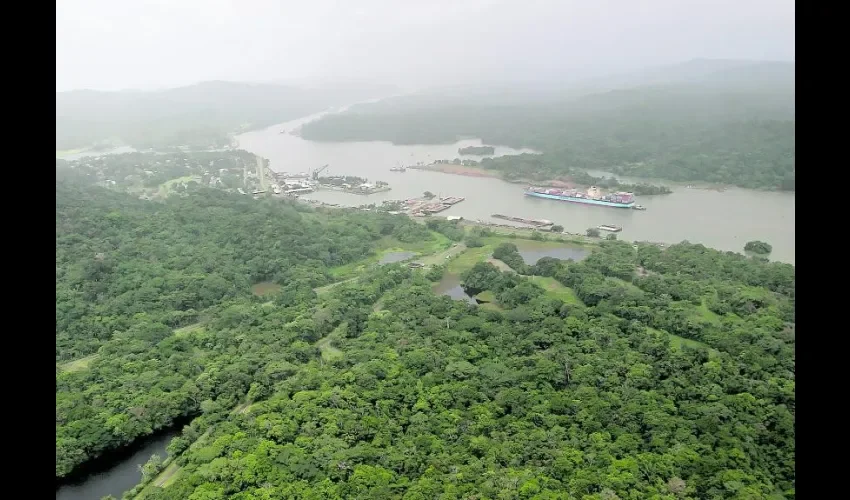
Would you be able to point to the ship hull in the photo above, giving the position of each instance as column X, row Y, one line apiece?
column 583, row 201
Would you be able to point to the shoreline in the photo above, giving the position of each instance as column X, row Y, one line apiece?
column 471, row 171
column 468, row 171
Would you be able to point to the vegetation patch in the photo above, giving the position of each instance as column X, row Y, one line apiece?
column 265, row 288
column 78, row 364
column 556, row 289
column 188, row 330
column 329, row 352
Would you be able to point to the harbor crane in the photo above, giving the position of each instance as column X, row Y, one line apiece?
column 319, row 171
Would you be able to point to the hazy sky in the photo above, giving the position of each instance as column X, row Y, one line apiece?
column 110, row 45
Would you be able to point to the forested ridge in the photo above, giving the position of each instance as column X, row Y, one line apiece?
column 671, row 375
column 130, row 272
column 681, row 133
column 434, row 398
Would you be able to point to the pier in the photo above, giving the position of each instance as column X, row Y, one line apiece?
column 420, row 207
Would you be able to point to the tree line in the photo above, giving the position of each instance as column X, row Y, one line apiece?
column 744, row 138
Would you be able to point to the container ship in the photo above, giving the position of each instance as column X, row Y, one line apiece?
column 592, row 197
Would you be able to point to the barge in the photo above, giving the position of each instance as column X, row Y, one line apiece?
column 523, row 220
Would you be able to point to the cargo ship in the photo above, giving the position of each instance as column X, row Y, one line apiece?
column 592, row 197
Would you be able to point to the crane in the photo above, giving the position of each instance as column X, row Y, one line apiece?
column 319, row 171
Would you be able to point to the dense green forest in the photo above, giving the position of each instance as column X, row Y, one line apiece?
column 744, row 137
column 130, row 272
column 638, row 372
column 677, row 385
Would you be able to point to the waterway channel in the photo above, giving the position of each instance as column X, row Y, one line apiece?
column 723, row 220
column 118, row 473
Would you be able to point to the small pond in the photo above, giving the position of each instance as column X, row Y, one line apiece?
column 393, row 257
column 532, row 255
column 450, row 285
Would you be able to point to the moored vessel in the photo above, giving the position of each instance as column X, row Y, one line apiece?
column 591, row 197
column 610, row 228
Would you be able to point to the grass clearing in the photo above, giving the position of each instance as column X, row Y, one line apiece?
column 388, row 245
column 465, row 260
column 501, row 265
column 265, row 288
column 330, row 352
column 707, row 314
column 554, row 288
column 166, row 187
column 78, row 364
column 487, row 296
column 186, row 330
column 678, row 342
column 626, row 284
column 327, row 288
column 167, row 476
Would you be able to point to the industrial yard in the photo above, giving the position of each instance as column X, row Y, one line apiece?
column 420, row 207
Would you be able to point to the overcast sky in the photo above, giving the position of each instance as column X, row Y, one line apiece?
column 111, row 45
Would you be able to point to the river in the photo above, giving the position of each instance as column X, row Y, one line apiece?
column 121, row 476
column 723, row 220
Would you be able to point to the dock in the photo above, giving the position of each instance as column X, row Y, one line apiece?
column 420, row 207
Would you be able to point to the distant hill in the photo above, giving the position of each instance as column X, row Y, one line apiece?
column 729, row 122
column 709, row 72
column 201, row 113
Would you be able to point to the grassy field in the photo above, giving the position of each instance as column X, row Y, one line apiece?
column 554, row 288
column 330, row 352
column 524, row 233
column 469, row 258
column 681, row 342
column 186, row 330
column 387, row 245
column 327, row 288
column 166, row 187
column 78, row 364
column 707, row 314
column 487, row 296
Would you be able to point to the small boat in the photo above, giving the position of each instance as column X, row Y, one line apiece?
column 610, row 228
column 638, row 207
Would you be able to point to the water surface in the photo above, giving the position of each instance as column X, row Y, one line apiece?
column 723, row 220
column 119, row 477
column 450, row 285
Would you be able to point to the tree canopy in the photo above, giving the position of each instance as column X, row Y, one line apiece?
column 744, row 137
column 638, row 372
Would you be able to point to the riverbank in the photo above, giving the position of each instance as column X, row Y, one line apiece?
column 642, row 188
column 723, row 220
